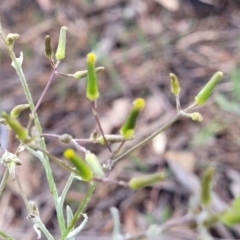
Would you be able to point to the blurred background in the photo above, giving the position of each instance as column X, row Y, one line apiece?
column 139, row 42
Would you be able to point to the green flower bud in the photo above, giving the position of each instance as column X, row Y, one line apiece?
column 65, row 138
column 15, row 112
column 212, row 219
column 204, row 94
column 143, row 181
column 127, row 130
column 83, row 74
column 175, row 87
column 84, row 171
column 11, row 38
column 10, row 160
column 92, row 92
column 93, row 163
column 94, row 135
column 196, row 116
column 21, row 132
column 232, row 215
column 60, row 54
column 48, row 47
column 206, row 185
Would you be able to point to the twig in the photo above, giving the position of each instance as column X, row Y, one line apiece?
column 46, row 88
column 150, row 137
column 94, row 109
column 78, row 146
column 22, row 193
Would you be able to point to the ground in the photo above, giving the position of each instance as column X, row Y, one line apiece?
column 139, row 43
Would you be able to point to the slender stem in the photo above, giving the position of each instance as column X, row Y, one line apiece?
column 50, row 135
column 6, row 236
column 27, row 92
column 63, row 196
column 10, row 140
column 39, row 224
column 178, row 105
column 118, row 149
column 22, row 193
column 94, row 109
column 108, row 180
column 83, row 140
column 45, row 89
column 53, row 158
column 150, row 137
column 147, row 139
column 64, row 74
column 4, row 180
column 79, row 211
column 78, row 147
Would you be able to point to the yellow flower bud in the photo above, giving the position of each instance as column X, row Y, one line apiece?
column 175, row 87
column 127, row 130
column 196, row 116
column 84, row 171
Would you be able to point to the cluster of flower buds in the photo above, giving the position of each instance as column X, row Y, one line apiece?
column 10, row 160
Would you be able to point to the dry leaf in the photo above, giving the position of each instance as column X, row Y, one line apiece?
column 185, row 159
column 159, row 143
column 172, row 5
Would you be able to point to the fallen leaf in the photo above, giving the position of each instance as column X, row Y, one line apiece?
column 185, row 159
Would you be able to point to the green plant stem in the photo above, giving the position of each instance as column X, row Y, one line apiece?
column 63, row 195
column 6, row 236
column 150, row 137
column 27, row 92
column 22, row 193
column 79, row 211
column 4, row 180
column 53, row 158
column 41, row 226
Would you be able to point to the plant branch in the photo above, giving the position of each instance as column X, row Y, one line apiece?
column 150, row 137
column 27, row 92
column 4, row 180
column 6, row 236
column 45, row 89
column 79, row 211
column 94, row 108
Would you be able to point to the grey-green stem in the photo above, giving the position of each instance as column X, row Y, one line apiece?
column 150, row 137
column 27, row 92
column 4, row 180
column 79, row 211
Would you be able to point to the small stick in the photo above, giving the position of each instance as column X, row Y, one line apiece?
column 94, row 109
